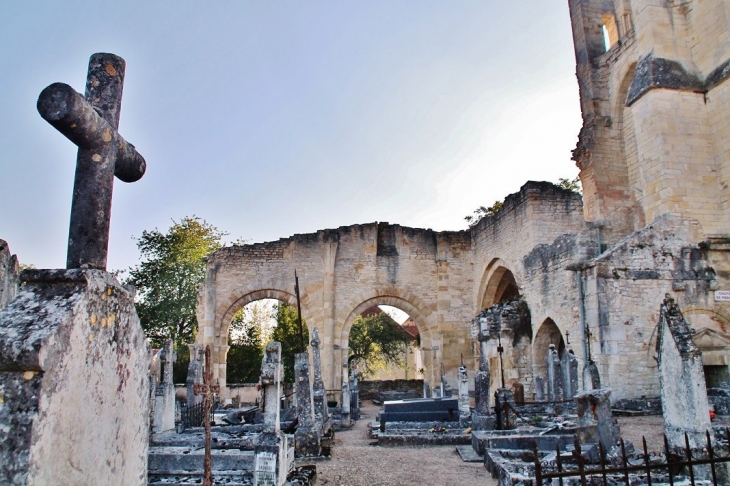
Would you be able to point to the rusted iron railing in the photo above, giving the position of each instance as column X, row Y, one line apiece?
column 672, row 464
column 193, row 416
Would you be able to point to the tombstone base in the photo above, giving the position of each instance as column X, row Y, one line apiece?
column 307, row 441
column 482, row 422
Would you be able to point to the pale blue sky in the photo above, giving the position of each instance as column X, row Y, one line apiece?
column 274, row 118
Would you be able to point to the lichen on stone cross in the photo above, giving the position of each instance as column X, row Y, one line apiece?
column 91, row 122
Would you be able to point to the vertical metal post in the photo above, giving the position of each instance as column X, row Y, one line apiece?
column 302, row 347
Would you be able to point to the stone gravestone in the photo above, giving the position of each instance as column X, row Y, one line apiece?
column 685, row 406
column 345, row 418
column 569, row 368
column 554, row 376
column 271, row 450
column 354, row 396
column 195, row 374
column 464, row 410
column 539, row 389
column 164, row 418
column 319, row 393
column 308, row 434
column 482, row 418
column 591, row 378
column 73, row 356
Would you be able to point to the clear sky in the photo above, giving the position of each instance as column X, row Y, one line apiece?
column 274, row 118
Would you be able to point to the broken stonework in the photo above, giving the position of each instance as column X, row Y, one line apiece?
column 308, row 433
column 9, row 282
column 73, row 382
column 682, row 380
column 595, row 420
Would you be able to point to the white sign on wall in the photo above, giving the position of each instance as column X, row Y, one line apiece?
column 722, row 295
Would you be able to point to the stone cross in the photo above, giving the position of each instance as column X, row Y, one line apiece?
column 91, row 122
column 207, row 389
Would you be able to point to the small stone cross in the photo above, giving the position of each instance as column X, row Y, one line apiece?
column 207, row 390
column 91, row 123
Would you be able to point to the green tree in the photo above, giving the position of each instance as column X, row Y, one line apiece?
column 287, row 333
column 377, row 341
column 571, row 184
column 246, row 338
column 481, row 211
column 168, row 278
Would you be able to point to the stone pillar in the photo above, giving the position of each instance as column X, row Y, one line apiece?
column 330, row 367
column 308, row 434
column 595, row 420
column 165, row 392
column 569, row 368
column 554, row 376
column 482, row 418
column 464, row 411
column 506, row 418
column 74, row 381
column 345, row 419
column 271, row 448
column 685, row 406
column 539, row 389
column 195, row 374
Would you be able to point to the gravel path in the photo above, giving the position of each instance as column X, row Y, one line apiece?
column 355, row 462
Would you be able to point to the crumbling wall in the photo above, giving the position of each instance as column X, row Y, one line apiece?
column 664, row 257
column 9, row 282
column 537, row 234
column 74, row 388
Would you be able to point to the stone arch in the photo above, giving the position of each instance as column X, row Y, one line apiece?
column 242, row 301
column 407, row 305
column 710, row 318
column 498, row 283
column 548, row 333
column 418, row 310
column 238, row 298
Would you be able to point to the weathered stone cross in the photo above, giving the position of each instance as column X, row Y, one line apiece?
column 91, row 123
column 207, row 389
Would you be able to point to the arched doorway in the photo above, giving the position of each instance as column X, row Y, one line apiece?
column 547, row 334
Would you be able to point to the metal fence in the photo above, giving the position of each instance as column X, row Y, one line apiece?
column 193, row 416
column 670, row 464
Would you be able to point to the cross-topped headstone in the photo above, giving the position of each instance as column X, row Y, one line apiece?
column 207, row 389
column 91, row 123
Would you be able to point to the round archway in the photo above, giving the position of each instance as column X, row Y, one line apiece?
column 498, row 285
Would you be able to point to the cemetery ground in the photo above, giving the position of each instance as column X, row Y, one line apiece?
column 355, row 462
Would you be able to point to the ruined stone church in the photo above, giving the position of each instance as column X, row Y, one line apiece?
column 585, row 275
